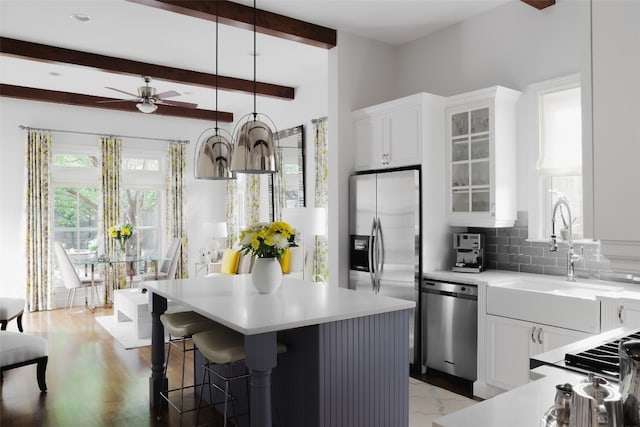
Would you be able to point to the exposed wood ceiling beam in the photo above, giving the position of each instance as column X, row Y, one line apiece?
column 45, row 53
column 540, row 4
column 57, row 97
column 241, row 16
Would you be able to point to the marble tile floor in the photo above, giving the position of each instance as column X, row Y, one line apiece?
column 428, row 402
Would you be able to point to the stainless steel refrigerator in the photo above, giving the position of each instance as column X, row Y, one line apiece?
column 385, row 238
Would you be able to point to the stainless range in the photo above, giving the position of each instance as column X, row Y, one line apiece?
column 598, row 354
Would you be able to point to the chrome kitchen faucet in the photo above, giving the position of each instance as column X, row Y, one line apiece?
column 572, row 257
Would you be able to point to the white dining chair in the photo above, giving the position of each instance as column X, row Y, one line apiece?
column 72, row 281
column 169, row 263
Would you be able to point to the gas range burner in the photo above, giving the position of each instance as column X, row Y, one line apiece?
column 603, row 359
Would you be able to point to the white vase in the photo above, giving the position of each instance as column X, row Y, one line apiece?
column 266, row 275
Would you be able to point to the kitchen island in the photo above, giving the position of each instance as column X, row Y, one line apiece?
column 354, row 369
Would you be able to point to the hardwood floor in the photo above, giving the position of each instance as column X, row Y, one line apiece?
column 91, row 379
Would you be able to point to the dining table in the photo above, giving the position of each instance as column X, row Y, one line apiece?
column 347, row 359
column 91, row 262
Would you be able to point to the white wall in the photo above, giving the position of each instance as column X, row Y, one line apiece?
column 361, row 73
column 514, row 45
column 206, row 200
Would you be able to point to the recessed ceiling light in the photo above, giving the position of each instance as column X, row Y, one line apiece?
column 54, row 73
column 81, row 17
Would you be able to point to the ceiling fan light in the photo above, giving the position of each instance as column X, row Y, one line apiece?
column 255, row 149
column 214, row 158
column 147, row 107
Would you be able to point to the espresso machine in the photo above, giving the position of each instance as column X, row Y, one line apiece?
column 469, row 252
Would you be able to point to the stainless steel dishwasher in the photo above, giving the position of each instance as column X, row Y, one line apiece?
column 450, row 328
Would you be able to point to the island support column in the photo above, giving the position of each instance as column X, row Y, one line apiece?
column 261, row 358
column 157, row 381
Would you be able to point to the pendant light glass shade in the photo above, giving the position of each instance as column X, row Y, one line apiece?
column 213, row 158
column 255, row 149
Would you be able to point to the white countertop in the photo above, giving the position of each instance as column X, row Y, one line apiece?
column 235, row 303
column 522, row 407
column 622, row 290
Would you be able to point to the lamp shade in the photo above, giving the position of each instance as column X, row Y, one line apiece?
column 308, row 221
column 254, row 151
column 214, row 229
column 220, row 229
column 214, row 158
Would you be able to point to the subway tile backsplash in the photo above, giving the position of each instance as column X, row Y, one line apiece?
column 508, row 249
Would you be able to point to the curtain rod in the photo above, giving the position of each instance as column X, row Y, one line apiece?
column 186, row 141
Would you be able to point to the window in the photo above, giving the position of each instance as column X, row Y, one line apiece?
column 142, row 197
column 559, row 157
column 75, row 198
column 75, row 218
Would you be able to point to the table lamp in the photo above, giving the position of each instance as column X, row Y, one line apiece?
column 215, row 231
column 309, row 222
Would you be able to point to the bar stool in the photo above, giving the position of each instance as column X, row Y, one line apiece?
column 222, row 347
column 181, row 326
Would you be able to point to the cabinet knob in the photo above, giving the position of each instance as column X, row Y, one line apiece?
column 533, row 331
column 539, row 335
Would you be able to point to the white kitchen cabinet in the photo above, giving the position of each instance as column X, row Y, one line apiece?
column 391, row 134
column 619, row 313
column 614, row 149
column 512, row 342
column 481, row 158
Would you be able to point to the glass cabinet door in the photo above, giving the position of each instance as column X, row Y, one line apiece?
column 470, row 161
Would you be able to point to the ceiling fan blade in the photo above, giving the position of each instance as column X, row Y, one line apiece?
column 177, row 104
column 122, row 91
column 167, row 94
column 117, row 100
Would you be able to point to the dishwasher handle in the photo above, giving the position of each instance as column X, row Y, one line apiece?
column 458, row 290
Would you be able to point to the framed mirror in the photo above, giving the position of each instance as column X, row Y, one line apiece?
column 286, row 187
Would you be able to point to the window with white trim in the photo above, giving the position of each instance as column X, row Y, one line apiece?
column 558, row 158
column 75, row 197
column 142, row 197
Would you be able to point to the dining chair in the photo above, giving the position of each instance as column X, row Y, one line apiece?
column 167, row 270
column 72, row 281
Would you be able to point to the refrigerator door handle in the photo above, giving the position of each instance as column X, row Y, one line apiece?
column 381, row 256
column 371, row 254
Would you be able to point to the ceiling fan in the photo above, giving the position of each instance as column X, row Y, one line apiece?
column 147, row 99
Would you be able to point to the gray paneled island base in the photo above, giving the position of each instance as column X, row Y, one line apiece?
column 347, row 360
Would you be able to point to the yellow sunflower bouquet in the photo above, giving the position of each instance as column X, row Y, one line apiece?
column 266, row 240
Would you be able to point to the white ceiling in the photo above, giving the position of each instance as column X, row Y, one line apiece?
column 128, row 30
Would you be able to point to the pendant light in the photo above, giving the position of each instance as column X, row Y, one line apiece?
column 255, row 147
column 213, row 159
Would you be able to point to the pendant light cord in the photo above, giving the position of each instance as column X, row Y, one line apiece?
column 216, row 130
column 255, row 54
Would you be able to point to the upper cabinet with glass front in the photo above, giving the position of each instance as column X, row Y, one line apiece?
column 481, row 158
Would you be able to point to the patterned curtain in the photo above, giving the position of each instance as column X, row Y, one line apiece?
column 276, row 189
column 175, row 191
column 252, row 199
column 320, row 265
column 38, row 178
column 232, row 213
column 111, row 163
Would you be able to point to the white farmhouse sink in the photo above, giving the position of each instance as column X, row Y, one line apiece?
column 571, row 305
column 561, row 287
